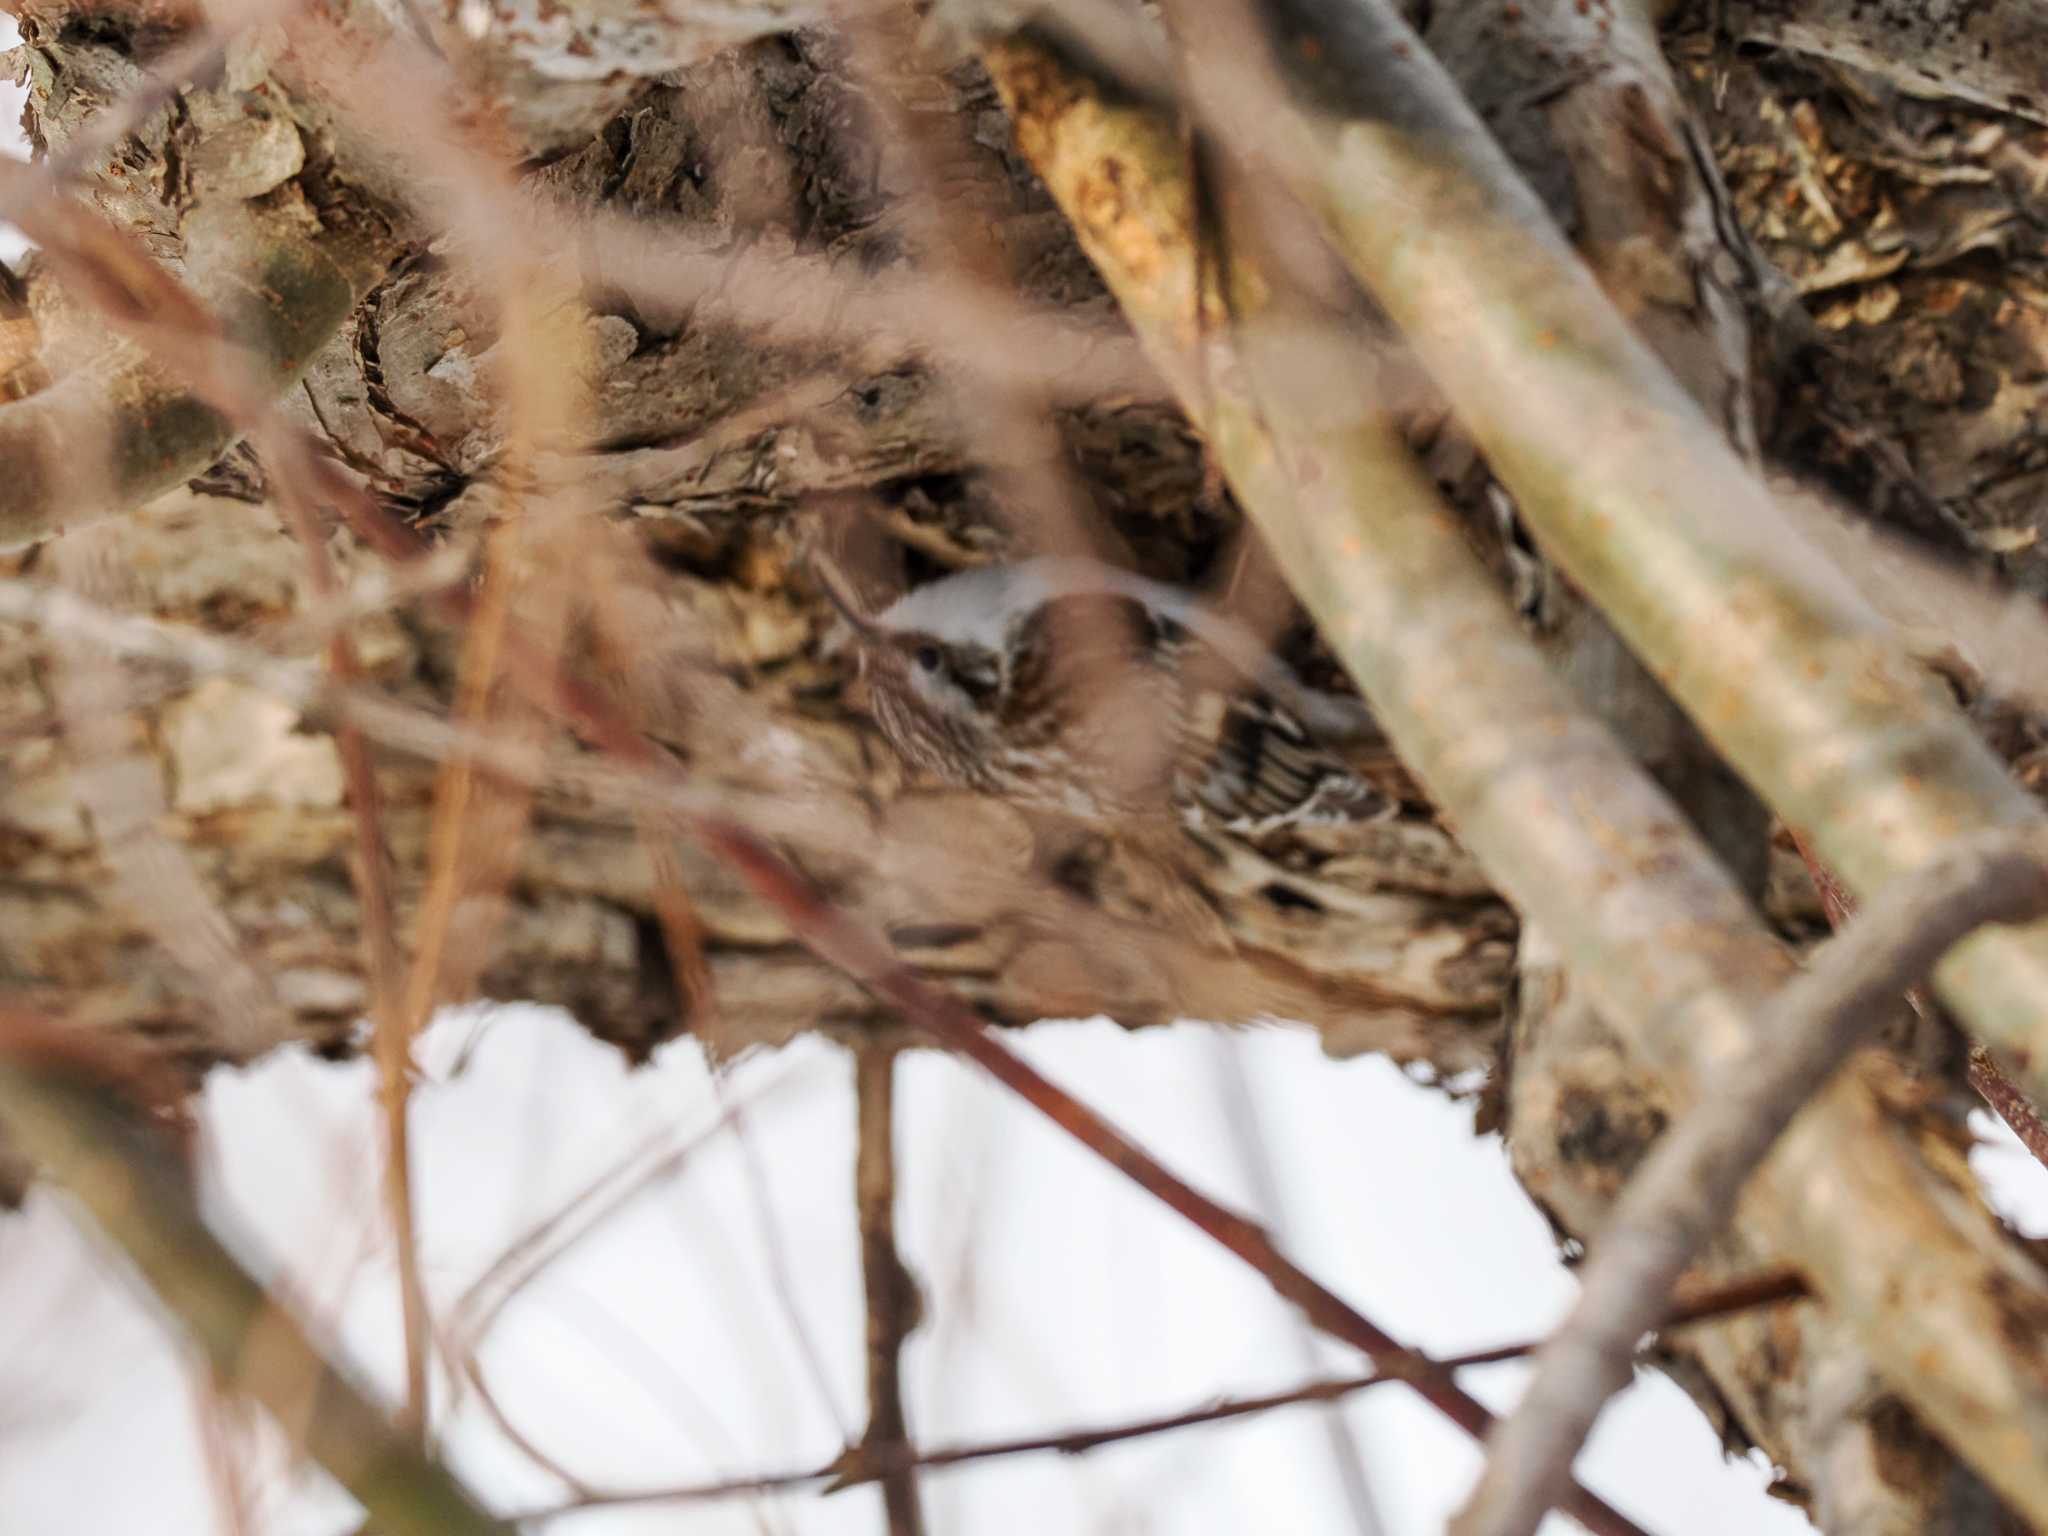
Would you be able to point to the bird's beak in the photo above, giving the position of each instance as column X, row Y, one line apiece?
column 840, row 596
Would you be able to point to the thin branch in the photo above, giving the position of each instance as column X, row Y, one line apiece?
column 524, row 1260
column 892, row 1297
column 873, row 1463
column 217, row 1444
column 660, row 1157
column 390, row 1040
column 61, row 1106
column 1687, row 1187
column 2011, row 1106
column 1242, row 1119
column 1985, row 1075
column 775, row 1256
column 472, row 1368
column 480, row 817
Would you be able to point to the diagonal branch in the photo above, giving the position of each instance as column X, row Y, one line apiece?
column 1687, row 1188
column 864, row 957
column 1985, row 1075
column 69, row 1118
column 1782, row 663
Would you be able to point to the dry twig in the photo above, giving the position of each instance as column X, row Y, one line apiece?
column 892, row 1297
column 872, row 1463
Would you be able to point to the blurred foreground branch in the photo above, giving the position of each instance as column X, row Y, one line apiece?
column 305, row 279
column 65, row 1112
column 1782, row 662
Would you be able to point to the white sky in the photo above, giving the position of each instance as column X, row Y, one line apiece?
column 13, row 142
column 658, row 1352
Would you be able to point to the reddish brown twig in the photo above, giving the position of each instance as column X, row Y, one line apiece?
column 391, row 1038
column 2011, row 1106
column 871, row 1463
column 891, row 1293
column 837, row 938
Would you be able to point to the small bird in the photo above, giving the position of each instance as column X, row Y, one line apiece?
column 1070, row 685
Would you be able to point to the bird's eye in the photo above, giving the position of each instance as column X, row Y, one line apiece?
column 928, row 658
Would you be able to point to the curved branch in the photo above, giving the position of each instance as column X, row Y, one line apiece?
column 68, row 1116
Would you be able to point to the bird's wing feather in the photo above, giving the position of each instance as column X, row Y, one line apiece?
column 1070, row 650
column 1252, row 767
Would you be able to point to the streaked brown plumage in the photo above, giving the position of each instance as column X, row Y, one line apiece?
column 1070, row 686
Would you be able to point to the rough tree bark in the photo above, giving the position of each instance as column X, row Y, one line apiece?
column 1838, row 271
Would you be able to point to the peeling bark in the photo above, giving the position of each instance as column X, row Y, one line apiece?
column 1990, row 55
